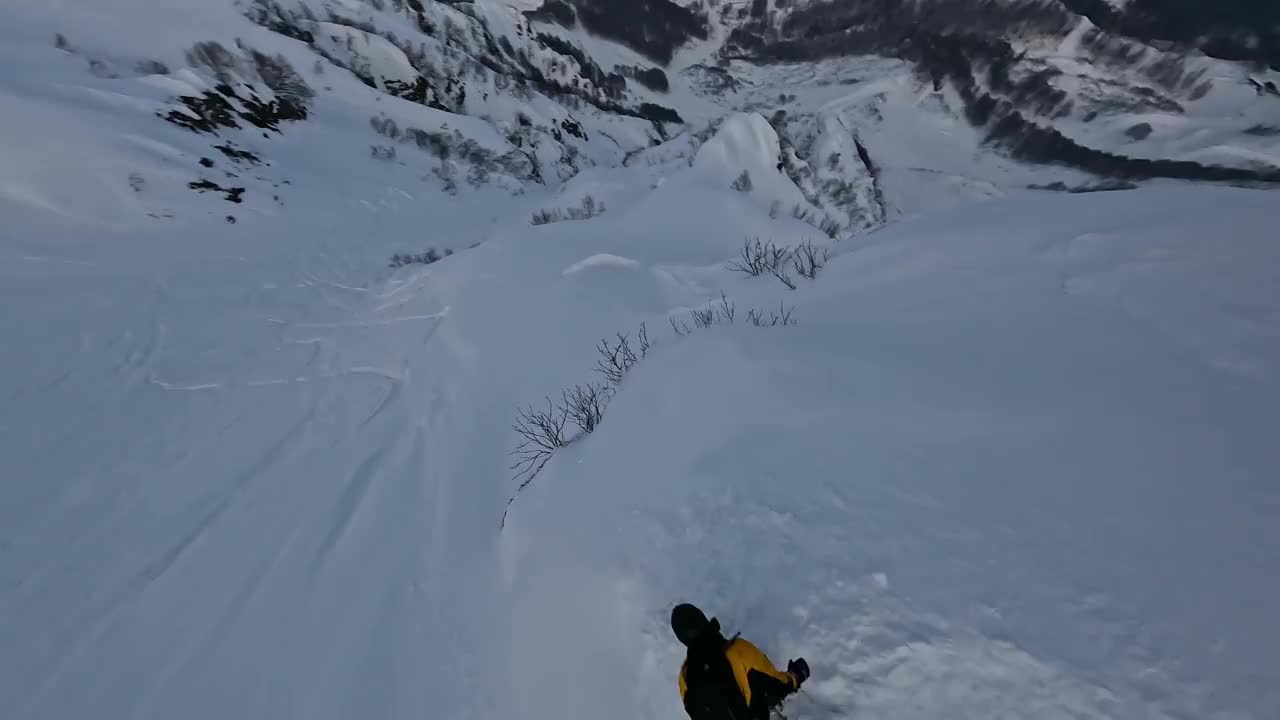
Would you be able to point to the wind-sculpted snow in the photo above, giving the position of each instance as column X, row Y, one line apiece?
column 745, row 146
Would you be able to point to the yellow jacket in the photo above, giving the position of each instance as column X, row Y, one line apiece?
column 762, row 685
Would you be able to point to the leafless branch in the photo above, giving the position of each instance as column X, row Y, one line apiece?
column 781, row 274
column 703, row 317
column 585, row 405
column 616, row 360
column 807, row 259
column 777, row 256
column 757, row 257
column 726, row 309
column 541, row 434
column 781, row 317
column 749, row 259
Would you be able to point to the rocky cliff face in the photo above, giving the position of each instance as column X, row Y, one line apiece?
column 880, row 107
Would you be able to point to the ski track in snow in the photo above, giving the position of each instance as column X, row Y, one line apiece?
column 177, row 505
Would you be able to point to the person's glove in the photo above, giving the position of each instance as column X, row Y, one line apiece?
column 800, row 669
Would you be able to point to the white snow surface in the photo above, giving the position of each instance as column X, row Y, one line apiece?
column 745, row 142
column 371, row 55
column 1015, row 459
column 602, row 260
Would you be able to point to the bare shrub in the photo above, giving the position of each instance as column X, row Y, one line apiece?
column 807, row 259
column 546, row 217
column 541, row 433
column 430, row 256
column 720, row 313
column 703, row 318
column 278, row 74
column 382, row 152
column 617, row 358
column 585, row 405
column 757, row 257
column 643, row 338
column 780, row 272
column 590, row 208
column 726, row 310
column 742, row 183
column 224, row 65
column 829, row 226
column 541, row 430
column 447, row 174
column 750, row 259
column 437, row 143
column 781, row 317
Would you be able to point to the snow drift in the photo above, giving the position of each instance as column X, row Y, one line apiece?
column 745, row 152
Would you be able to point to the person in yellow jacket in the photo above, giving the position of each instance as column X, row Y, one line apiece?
column 728, row 679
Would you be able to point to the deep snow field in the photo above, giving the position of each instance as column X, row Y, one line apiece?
column 1015, row 459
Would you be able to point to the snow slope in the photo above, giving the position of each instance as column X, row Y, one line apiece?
column 1002, row 467
column 1012, row 460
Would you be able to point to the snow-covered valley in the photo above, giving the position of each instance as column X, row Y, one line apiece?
column 1010, row 453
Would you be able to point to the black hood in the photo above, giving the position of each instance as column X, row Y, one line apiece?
column 691, row 625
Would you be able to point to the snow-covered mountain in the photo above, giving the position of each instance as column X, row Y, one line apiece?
column 282, row 282
column 881, row 109
column 1048, row 85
